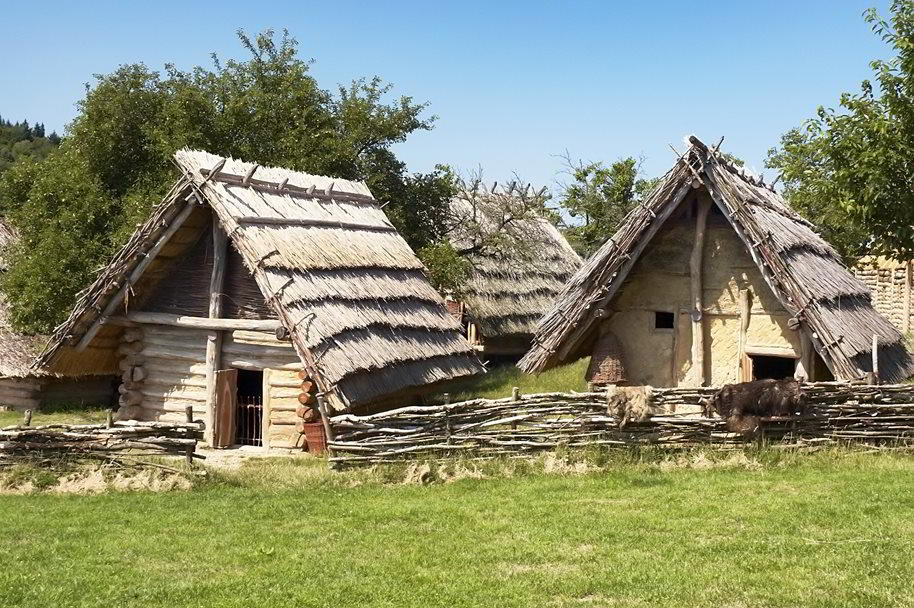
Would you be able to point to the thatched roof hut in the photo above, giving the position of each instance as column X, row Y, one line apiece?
column 311, row 258
column 514, row 281
column 761, row 279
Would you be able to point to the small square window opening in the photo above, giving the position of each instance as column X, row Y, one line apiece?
column 664, row 320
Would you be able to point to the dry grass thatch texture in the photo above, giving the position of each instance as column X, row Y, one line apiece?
column 514, row 283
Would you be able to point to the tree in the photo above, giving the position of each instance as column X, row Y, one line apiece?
column 850, row 169
column 76, row 207
column 19, row 140
column 601, row 196
column 483, row 223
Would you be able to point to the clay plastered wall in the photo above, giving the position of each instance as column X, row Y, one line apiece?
column 660, row 282
column 890, row 285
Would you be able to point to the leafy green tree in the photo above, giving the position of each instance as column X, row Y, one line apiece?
column 77, row 206
column 850, row 169
column 601, row 196
column 448, row 270
column 19, row 140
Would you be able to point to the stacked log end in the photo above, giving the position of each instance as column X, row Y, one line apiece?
column 132, row 374
column 307, row 410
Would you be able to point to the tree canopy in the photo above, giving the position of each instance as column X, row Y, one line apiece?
column 601, row 196
column 81, row 202
column 19, row 140
column 849, row 168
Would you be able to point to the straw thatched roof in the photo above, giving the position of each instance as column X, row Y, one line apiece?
column 336, row 273
column 802, row 270
column 17, row 350
column 515, row 281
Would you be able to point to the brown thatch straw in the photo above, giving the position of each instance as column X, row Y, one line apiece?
column 512, row 285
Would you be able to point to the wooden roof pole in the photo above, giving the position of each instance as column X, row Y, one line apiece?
column 214, row 337
column 695, row 263
column 137, row 272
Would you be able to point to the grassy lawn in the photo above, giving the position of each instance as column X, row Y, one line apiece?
column 499, row 381
column 75, row 414
column 763, row 529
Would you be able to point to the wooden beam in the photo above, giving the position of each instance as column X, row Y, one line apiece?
column 285, row 188
column 773, row 351
column 293, row 221
column 137, row 272
column 161, row 318
column 214, row 338
column 695, row 270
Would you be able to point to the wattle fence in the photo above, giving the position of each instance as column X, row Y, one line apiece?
column 482, row 428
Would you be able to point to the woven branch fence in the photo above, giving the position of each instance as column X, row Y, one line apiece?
column 121, row 442
column 531, row 423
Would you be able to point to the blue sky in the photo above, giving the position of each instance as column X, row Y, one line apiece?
column 515, row 84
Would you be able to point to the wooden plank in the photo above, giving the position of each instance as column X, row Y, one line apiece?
column 210, row 323
column 137, row 272
column 225, row 406
column 319, row 223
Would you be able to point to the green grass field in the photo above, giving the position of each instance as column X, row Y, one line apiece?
column 499, row 381
column 59, row 414
column 760, row 529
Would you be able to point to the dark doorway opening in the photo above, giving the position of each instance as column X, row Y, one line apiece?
column 776, row 368
column 249, row 416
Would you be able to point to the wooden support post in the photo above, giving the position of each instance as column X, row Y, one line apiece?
column 189, row 451
column 695, row 267
column 325, row 418
column 906, row 323
column 745, row 309
column 137, row 272
column 875, row 359
column 804, row 364
column 214, row 337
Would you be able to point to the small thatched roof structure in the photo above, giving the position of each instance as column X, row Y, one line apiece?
column 17, row 350
column 352, row 294
column 513, row 283
column 804, row 272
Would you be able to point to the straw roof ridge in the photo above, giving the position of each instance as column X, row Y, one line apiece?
column 804, row 272
column 328, row 262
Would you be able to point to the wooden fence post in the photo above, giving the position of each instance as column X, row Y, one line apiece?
column 875, row 359
column 189, row 452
